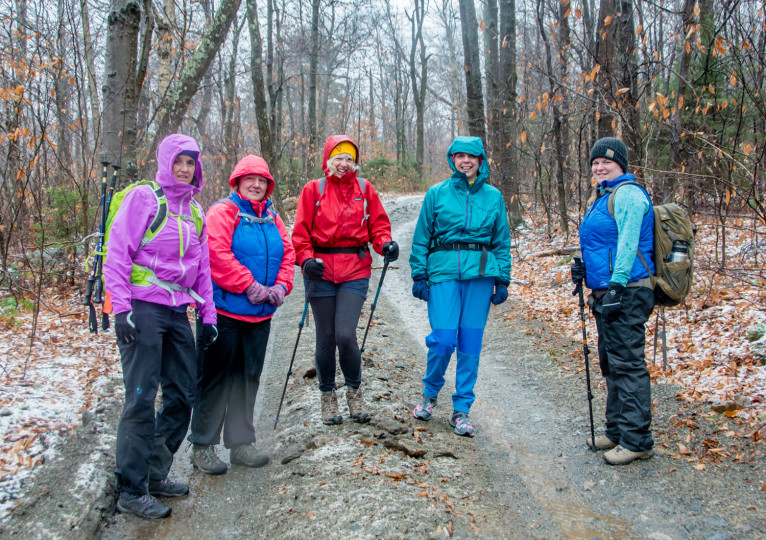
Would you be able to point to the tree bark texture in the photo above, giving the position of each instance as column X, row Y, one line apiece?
column 259, row 97
column 472, row 68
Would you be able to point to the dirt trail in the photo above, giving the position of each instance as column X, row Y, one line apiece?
column 527, row 473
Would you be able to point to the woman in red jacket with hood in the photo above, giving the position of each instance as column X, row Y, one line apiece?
column 252, row 267
column 338, row 216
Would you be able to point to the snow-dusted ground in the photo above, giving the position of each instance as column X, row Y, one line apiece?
column 45, row 391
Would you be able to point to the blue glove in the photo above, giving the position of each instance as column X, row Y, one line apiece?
column 501, row 293
column 420, row 287
column 611, row 304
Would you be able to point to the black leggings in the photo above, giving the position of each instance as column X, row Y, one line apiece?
column 336, row 318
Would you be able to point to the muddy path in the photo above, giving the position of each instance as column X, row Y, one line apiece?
column 526, row 474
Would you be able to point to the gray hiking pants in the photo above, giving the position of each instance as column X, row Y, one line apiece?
column 621, row 358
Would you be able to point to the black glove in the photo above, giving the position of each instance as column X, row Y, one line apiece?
column 420, row 287
column 391, row 251
column 124, row 328
column 209, row 335
column 610, row 305
column 501, row 293
column 577, row 270
column 312, row 269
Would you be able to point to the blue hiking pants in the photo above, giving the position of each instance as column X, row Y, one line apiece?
column 457, row 311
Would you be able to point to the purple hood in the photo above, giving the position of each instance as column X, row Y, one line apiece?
column 178, row 254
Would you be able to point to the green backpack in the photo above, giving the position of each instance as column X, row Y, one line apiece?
column 673, row 236
column 140, row 274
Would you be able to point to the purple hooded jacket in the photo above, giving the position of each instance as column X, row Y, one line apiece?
column 163, row 254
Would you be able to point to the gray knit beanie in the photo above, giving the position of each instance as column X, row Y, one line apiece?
column 611, row 148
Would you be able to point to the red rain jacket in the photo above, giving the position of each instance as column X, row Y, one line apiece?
column 340, row 221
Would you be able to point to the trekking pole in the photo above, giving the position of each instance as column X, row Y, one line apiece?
column 295, row 349
column 100, row 283
column 91, row 284
column 586, row 352
column 375, row 302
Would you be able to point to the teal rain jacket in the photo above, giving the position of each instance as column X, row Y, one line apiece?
column 455, row 212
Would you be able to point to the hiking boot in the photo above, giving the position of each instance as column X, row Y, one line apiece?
column 602, row 443
column 168, row 488
column 423, row 409
column 145, row 506
column 622, row 456
column 357, row 409
column 330, row 415
column 206, row 460
column 462, row 424
column 245, row 454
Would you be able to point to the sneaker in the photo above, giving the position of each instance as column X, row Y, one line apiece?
column 357, row 409
column 602, row 443
column 622, row 456
column 330, row 415
column 423, row 409
column 245, row 454
column 145, row 506
column 462, row 424
column 168, row 488
column 206, row 460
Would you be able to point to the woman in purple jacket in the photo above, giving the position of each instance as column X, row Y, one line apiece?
column 152, row 278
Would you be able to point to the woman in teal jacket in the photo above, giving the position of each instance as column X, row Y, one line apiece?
column 461, row 261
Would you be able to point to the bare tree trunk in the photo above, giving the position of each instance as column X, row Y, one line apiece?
column 90, row 63
column 120, row 71
column 616, row 55
column 506, row 160
column 231, row 105
column 418, row 92
column 195, row 69
column 259, row 97
column 313, row 65
column 473, row 89
column 557, row 122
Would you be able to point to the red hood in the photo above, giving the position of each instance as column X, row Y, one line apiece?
column 333, row 141
column 251, row 164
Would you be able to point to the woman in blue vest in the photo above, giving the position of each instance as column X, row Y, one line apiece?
column 461, row 261
column 611, row 236
column 251, row 264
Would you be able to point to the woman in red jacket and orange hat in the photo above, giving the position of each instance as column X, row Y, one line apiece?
column 338, row 217
column 252, row 267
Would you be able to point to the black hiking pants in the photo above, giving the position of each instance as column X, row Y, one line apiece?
column 229, row 376
column 163, row 354
column 336, row 318
column 621, row 358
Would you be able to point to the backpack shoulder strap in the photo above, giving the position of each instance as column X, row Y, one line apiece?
column 198, row 215
column 612, row 191
column 161, row 217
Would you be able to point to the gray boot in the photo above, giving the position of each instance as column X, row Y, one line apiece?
column 206, row 460
column 330, row 415
column 356, row 406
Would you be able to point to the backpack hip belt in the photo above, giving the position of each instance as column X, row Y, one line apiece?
column 359, row 250
column 465, row 246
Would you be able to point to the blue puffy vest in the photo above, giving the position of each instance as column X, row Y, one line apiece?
column 257, row 245
column 598, row 240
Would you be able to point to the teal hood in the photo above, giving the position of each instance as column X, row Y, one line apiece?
column 473, row 146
